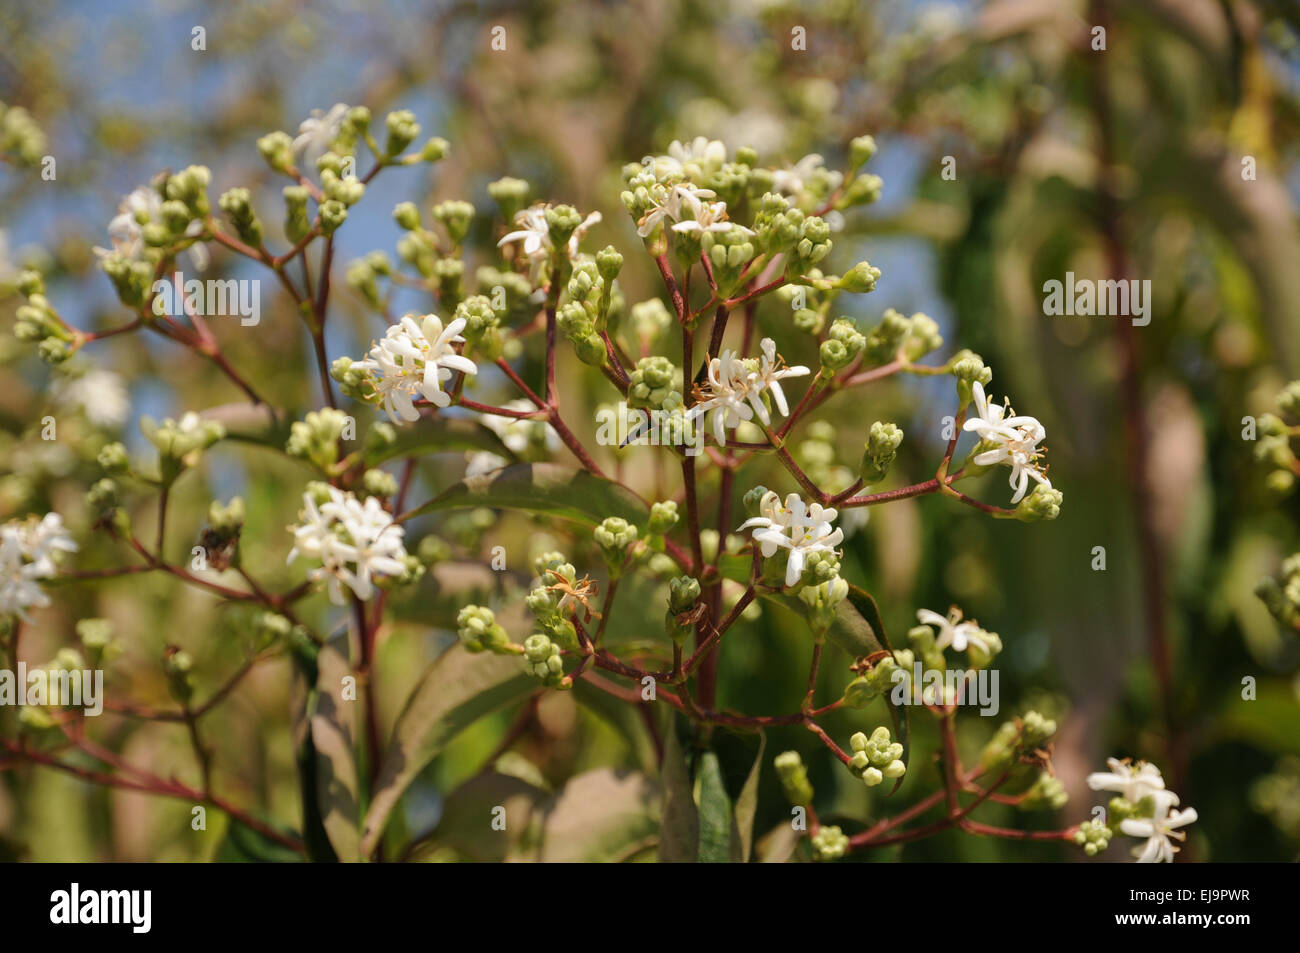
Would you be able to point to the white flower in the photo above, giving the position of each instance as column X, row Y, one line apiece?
column 953, row 631
column 415, row 359
column 1132, row 782
column 803, row 530
column 671, row 203
column 692, row 159
column 734, row 392
column 536, row 235
column 354, row 542
column 517, row 434
column 126, row 231
column 709, row 217
column 1158, row 829
column 100, row 395
column 792, row 179
column 771, row 371
column 28, row 552
column 1015, row 441
column 317, row 133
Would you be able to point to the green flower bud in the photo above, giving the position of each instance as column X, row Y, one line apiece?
column 177, row 665
column 829, row 843
column 650, row 384
column 562, row 221
column 861, row 149
column 455, row 217
column 379, row 483
column 407, row 216
column 435, row 150
column 479, row 631
column 879, row 453
column 333, row 213
column 860, row 279
column 542, row 659
column 609, row 262
column 113, row 458
column 276, row 149
column 1044, row 503
column 238, row 206
column 794, row 778
column 1093, row 836
column 510, row 195
column 1046, row 793
column 402, row 131
column 683, row 593
column 614, row 536
column 227, row 520
column 663, row 517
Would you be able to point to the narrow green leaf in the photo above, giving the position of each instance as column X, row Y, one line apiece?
column 715, row 811
column 439, row 435
column 679, row 829
column 545, row 488
column 742, row 820
column 333, row 734
column 455, row 691
column 600, row 816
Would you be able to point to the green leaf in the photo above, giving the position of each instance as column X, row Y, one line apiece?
column 746, row 806
column 600, row 816
column 439, row 435
column 545, row 488
column 715, row 811
column 333, row 734
column 454, row 692
column 467, row 815
column 679, row 828
column 243, row 845
column 304, row 702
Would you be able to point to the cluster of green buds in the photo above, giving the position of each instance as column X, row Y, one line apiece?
column 479, row 631
column 829, row 843
column 542, row 660
column 843, row 343
column 583, row 316
column 297, row 223
column 1282, row 596
column 37, row 322
column 180, row 444
column 683, row 594
column 794, row 778
column 21, row 137
column 823, row 600
column 1277, row 795
column 615, row 536
column 185, row 197
column 900, row 337
column 510, row 291
column 96, row 637
column 482, row 327
column 237, row 204
column 1047, row 793
column 510, row 194
column 1274, row 441
column 1015, row 737
column 1093, row 836
column 352, row 380
column 456, row 217
column 879, row 452
column 729, row 252
column 663, row 517
column 969, row 368
column 860, row 279
column 316, row 437
column 363, row 275
column 650, row 384
column 338, row 179
column 548, row 602
column 41, row 713
column 879, row 678
column 650, row 320
column 876, row 757
column 1042, row 503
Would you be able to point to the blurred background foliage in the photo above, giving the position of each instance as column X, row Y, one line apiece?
column 1067, row 158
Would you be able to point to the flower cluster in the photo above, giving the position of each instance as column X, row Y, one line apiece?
column 356, row 543
column 415, row 359
column 1143, row 808
column 29, row 551
column 736, row 387
column 796, row 529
